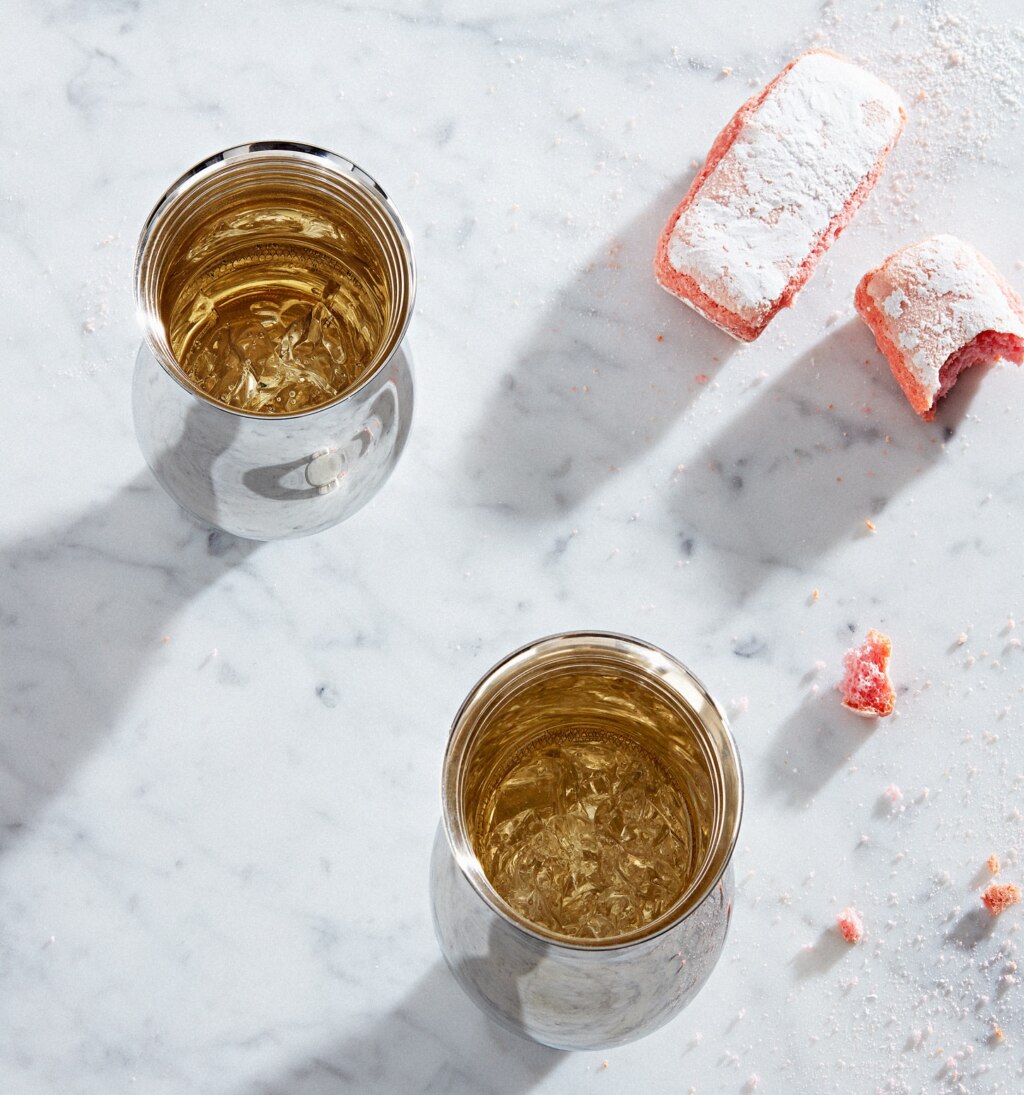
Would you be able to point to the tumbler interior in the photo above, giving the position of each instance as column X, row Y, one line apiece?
column 595, row 679
column 279, row 198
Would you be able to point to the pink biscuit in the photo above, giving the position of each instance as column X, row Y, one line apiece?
column 936, row 308
column 780, row 183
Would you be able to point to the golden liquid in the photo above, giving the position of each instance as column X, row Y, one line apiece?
column 276, row 311
column 586, row 834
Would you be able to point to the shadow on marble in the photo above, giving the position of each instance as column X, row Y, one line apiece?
column 826, row 448
column 821, row 956
column 609, row 369
column 84, row 606
column 435, row 1040
column 981, row 877
column 811, row 746
column 974, row 927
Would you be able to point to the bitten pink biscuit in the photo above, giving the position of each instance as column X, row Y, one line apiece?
column 936, row 308
column 781, row 181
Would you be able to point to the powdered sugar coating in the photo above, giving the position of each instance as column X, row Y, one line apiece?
column 933, row 298
column 789, row 173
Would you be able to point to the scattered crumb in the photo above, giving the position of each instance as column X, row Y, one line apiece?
column 993, row 863
column 604, row 1063
column 894, row 796
column 961, row 638
column 850, row 924
column 865, row 686
column 815, row 595
column 702, row 378
column 1000, row 896
column 726, row 70
column 869, row 524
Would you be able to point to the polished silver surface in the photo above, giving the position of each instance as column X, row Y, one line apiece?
column 585, row 995
column 566, row 997
column 267, row 478
column 259, row 476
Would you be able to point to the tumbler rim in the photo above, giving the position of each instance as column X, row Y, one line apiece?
column 456, row 753
column 205, row 169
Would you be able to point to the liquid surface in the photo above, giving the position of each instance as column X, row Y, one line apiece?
column 277, row 327
column 585, row 834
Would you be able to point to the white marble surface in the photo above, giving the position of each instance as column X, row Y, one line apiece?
column 219, row 762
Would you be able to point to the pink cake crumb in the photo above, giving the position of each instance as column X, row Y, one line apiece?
column 865, row 686
column 1000, row 896
column 993, row 864
column 781, row 182
column 937, row 307
column 850, row 924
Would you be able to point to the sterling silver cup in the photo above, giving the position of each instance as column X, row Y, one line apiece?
column 261, row 476
column 575, row 994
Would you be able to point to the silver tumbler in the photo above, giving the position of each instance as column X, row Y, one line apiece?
column 297, row 469
column 574, row 993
